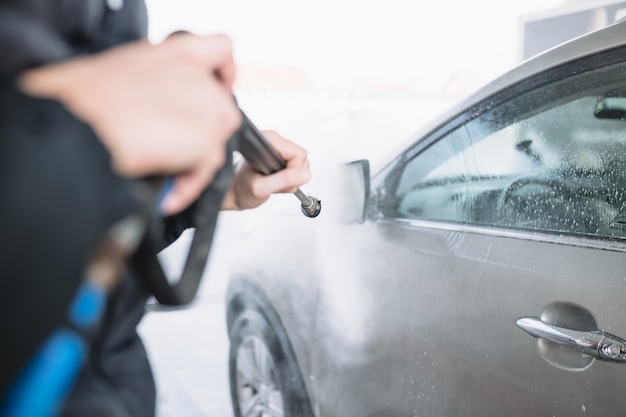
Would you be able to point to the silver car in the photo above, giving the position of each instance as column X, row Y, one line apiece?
column 479, row 272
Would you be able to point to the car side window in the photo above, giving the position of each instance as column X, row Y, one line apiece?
column 550, row 160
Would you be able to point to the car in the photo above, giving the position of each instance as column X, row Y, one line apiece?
column 480, row 271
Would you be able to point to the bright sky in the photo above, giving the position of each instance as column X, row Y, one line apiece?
column 342, row 41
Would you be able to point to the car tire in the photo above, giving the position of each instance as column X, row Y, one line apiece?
column 265, row 380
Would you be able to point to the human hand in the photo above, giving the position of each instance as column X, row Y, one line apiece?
column 162, row 109
column 250, row 189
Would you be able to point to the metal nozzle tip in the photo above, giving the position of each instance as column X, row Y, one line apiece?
column 313, row 209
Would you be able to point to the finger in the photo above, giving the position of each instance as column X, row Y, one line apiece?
column 220, row 47
column 176, row 33
column 292, row 153
column 214, row 52
column 284, row 181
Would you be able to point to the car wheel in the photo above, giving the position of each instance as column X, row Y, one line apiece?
column 265, row 379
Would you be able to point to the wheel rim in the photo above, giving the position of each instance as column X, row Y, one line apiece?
column 258, row 390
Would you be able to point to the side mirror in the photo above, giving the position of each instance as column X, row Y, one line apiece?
column 354, row 190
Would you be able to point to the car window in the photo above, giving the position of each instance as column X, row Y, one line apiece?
column 551, row 160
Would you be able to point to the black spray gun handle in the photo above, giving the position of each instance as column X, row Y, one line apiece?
column 263, row 158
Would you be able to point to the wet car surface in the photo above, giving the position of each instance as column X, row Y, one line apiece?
column 480, row 272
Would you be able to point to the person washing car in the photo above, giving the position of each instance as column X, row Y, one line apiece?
column 87, row 103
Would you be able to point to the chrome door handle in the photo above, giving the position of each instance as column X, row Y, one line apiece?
column 598, row 344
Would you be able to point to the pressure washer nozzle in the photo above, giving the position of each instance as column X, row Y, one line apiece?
column 313, row 208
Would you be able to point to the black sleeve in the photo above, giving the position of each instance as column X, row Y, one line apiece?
column 59, row 196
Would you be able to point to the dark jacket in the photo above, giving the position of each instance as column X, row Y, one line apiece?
column 59, row 196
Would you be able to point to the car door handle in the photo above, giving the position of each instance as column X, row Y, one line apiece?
column 596, row 343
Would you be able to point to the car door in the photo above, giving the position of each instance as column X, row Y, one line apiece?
column 490, row 238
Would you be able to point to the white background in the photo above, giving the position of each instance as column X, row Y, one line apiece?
column 342, row 41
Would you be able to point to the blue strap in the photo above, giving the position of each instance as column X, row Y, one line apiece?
column 47, row 379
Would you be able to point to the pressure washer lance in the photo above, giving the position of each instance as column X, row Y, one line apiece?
column 263, row 158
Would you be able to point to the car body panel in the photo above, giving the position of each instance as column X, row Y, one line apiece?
column 437, row 301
